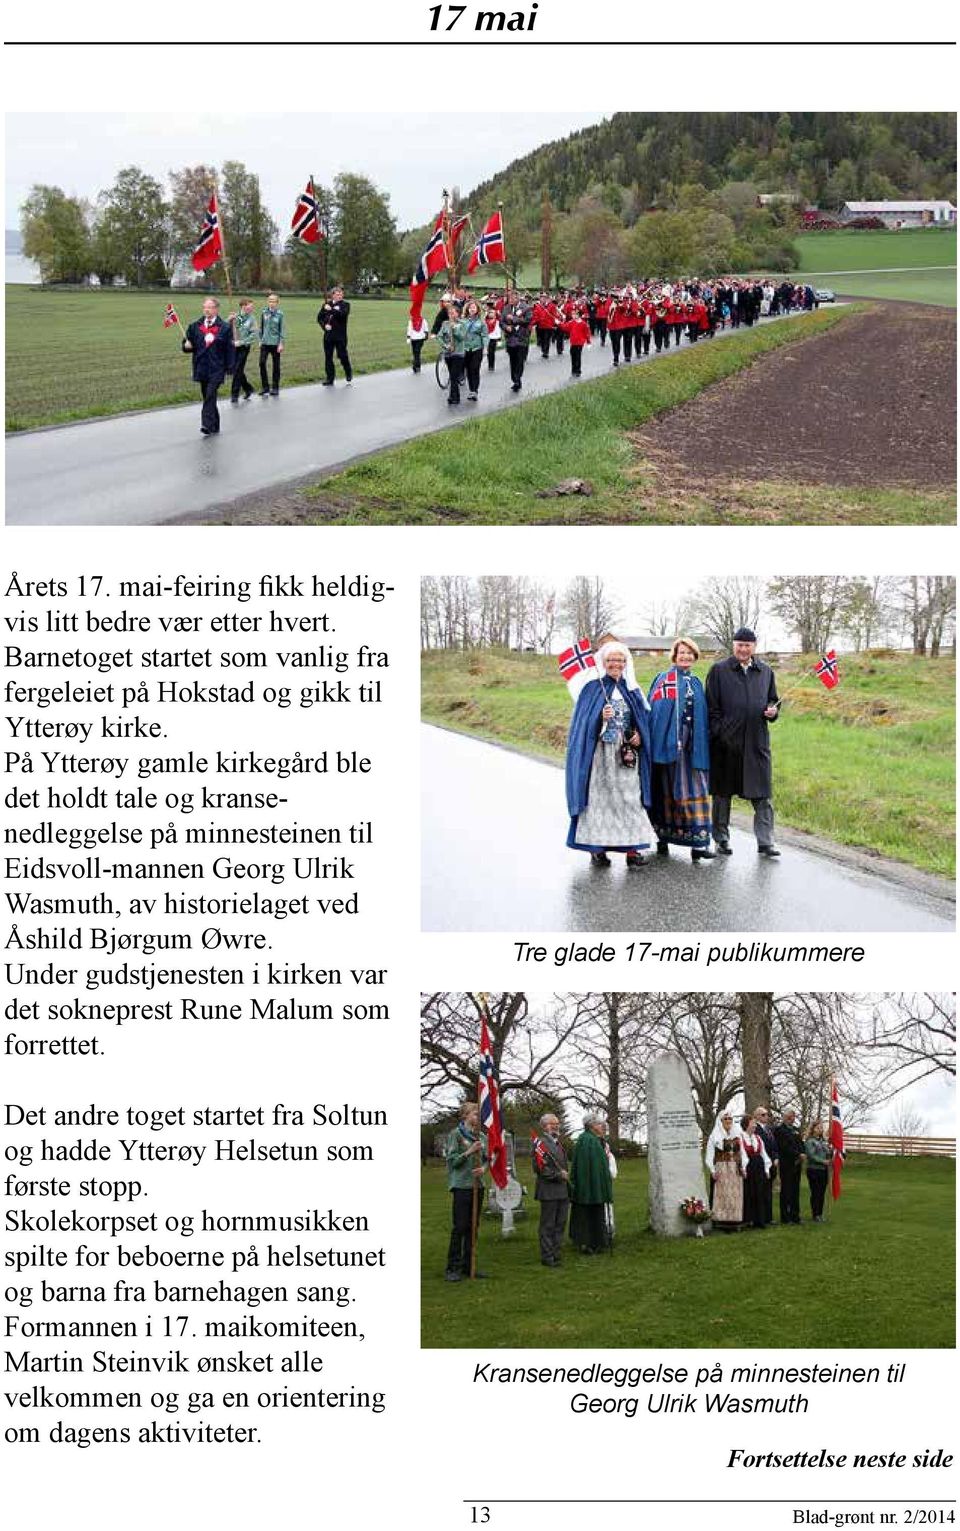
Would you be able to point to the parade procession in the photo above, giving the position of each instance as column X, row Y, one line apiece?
column 646, row 315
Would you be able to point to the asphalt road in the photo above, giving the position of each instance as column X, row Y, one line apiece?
column 143, row 469
column 494, row 825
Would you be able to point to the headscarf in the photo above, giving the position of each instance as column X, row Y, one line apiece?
column 717, row 1136
column 628, row 679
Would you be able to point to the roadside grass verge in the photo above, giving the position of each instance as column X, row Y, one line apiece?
column 870, row 1291
column 491, row 470
column 871, row 764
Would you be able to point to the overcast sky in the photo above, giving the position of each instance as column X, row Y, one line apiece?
column 410, row 156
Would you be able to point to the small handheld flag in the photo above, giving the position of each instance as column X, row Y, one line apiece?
column 538, row 1149
column 828, row 669
column 836, row 1141
column 170, row 317
column 666, row 688
column 489, row 246
column 305, row 223
column 577, row 665
column 210, row 244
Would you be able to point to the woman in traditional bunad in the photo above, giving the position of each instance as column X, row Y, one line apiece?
column 608, row 763
column 680, row 752
column 725, row 1169
column 755, row 1163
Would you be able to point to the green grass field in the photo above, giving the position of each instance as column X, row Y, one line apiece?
column 865, row 262
column 870, row 764
column 878, row 1272
column 78, row 354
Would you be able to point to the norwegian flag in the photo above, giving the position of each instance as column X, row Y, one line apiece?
column 490, row 1118
column 440, row 246
column 489, row 247
column 666, row 688
column 305, row 223
column 577, row 665
column 828, row 669
column 210, row 244
column 836, row 1141
column 538, row 1149
column 170, row 316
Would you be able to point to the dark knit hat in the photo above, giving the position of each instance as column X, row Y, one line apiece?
column 744, row 635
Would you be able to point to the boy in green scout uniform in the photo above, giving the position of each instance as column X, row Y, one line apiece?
column 272, row 337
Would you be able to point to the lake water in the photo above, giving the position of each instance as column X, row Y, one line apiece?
column 19, row 269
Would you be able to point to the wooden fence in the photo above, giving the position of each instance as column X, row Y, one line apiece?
column 868, row 1143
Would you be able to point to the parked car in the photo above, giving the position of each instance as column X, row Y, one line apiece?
column 824, row 295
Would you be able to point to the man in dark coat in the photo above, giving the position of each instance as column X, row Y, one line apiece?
column 332, row 319
column 741, row 702
column 790, row 1150
column 210, row 342
column 550, row 1163
column 768, row 1138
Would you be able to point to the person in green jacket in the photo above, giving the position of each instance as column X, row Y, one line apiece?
column 273, row 336
column 819, row 1154
column 474, row 343
column 452, row 336
column 591, row 1189
column 466, row 1160
column 244, row 338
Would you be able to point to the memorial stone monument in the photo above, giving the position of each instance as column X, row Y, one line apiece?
column 676, row 1164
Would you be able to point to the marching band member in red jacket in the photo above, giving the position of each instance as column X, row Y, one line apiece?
column 577, row 329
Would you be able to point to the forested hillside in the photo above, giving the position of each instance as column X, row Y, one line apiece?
column 643, row 158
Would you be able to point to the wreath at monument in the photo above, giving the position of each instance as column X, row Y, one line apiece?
column 694, row 1210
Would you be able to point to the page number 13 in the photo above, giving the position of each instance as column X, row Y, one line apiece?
column 480, row 1515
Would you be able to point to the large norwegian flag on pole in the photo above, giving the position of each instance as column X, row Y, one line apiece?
column 438, row 255
column 836, row 1141
column 210, row 244
column 577, row 665
column 489, row 247
column 490, row 1118
column 305, row 223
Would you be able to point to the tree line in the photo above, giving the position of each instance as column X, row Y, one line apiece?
column 526, row 614
column 574, row 1052
column 144, row 233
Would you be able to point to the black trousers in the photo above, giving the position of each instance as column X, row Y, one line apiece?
column 643, row 338
column 474, row 361
column 416, row 346
column 615, row 338
column 790, row 1191
column 241, row 383
column 518, row 360
column 544, row 337
column 576, row 356
column 336, row 346
column 627, row 345
column 461, row 1234
column 559, row 337
column 762, row 819
column 677, row 332
column 455, row 370
column 274, row 355
column 602, row 331
column 768, row 1195
column 553, row 1223
column 491, row 355
column 817, row 1181
column 661, row 335
column 209, row 413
